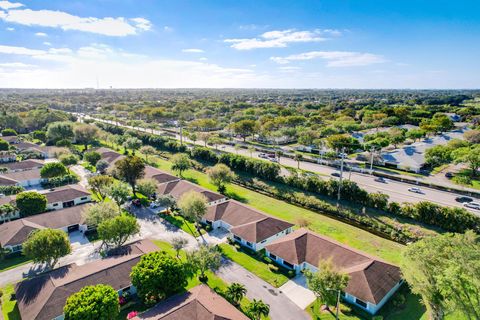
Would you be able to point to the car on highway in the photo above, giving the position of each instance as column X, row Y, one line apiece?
column 472, row 205
column 262, row 155
column 380, row 179
column 273, row 159
column 415, row 190
column 335, row 174
column 463, row 199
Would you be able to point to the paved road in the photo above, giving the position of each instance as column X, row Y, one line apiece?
column 397, row 191
column 281, row 307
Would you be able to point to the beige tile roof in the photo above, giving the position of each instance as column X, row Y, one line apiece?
column 180, row 187
column 66, row 193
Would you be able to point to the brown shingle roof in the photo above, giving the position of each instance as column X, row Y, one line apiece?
column 370, row 278
column 19, row 176
column 5, row 181
column 22, row 165
column 43, row 297
column 180, row 187
column 260, row 230
column 17, row 231
column 66, row 193
column 159, row 175
column 199, row 303
column 247, row 223
column 109, row 156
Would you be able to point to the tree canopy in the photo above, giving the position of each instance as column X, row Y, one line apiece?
column 47, row 246
column 93, row 302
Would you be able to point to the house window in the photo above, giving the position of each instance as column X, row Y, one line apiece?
column 263, row 241
column 83, row 198
column 237, row 238
column 16, row 248
column 55, row 204
column 288, row 264
column 274, row 257
column 249, row 244
column 361, row 303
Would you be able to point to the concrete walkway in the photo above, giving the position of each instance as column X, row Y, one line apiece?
column 281, row 307
column 296, row 290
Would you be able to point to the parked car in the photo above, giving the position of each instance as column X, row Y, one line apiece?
column 137, row 202
column 472, row 205
column 273, row 159
column 449, row 175
column 463, row 199
column 262, row 155
column 335, row 174
column 380, row 179
column 415, row 190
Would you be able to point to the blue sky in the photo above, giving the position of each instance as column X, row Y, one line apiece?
column 223, row 43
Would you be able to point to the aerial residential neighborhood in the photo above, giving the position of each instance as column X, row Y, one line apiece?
column 233, row 160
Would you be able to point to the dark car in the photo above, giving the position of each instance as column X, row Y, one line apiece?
column 380, row 179
column 463, row 199
column 335, row 174
column 449, row 175
column 136, row 202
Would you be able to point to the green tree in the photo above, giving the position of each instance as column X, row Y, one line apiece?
column 9, row 132
column 92, row 157
column 115, row 231
column 472, row 136
column 438, row 155
column 147, row 187
column 95, row 214
column 204, row 259
column 251, row 150
column 132, row 144
column 219, row 175
column 130, row 169
column 235, row 293
column 167, row 201
column 100, row 184
column 326, row 282
column 258, row 309
column 85, row 134
column 339, row 141
column 193, row 205
column 119, row 192
column 39, row 135
column 102, row 166
column 68, row 160
column 396, row 136
column 52, row 170
column 4, row 145
column 442, row 122
column 158, row 275
column 46, row 246
column 178, row 243
column 30, row 203
column 245, row 128
column 181, row 162
column 445, row 271
column 93, row 302
column 148, row 151
column 298, row 157
column 3, row 253
column 469, row 156
column 62, row 130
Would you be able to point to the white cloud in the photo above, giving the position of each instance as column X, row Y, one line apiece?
column 16, row 65
column 203, row 59
column 41, row 34
column 47, row 43
column 6, row 5
column 193, row 50
column 108, row 26
column 142, row 23
column 10, row 29
column 334, row 58
column 289, row 69
column 20, row 50
column 167, row 29
column 279, row 39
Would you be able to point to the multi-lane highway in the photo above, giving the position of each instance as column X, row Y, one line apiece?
column 397, row 191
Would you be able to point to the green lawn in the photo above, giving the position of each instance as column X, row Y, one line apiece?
column 340, row 231
column 257, row 267
column 13, row 262
column 182, row 223
column 9, row 306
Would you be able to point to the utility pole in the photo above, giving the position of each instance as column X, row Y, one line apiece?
column 372, row 150
column 341, row 175
column 320, row 151
column 338, row 304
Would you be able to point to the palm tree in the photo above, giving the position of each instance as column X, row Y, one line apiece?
column 236, row 147
column 298, row 158
column 258, row 308
column 251, row 150
column 236, row 292
column 278, row 154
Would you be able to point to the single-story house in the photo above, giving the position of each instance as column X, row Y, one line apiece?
column 25, row 165
column 372, row 281
column 6, row 157
column 14, row 233
column 11, row 139
column 158, row 175
column 43, row 297
column 199, row 303
column 67, row 196
column 179, row 187
column 109, row 156
column 249, row 227
column 26, row 178
column 5, row 200
column 44, row 151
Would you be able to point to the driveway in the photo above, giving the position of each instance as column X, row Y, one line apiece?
column 216, row 236
column 281, row 307
column 82, row 173
column 296, row 290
